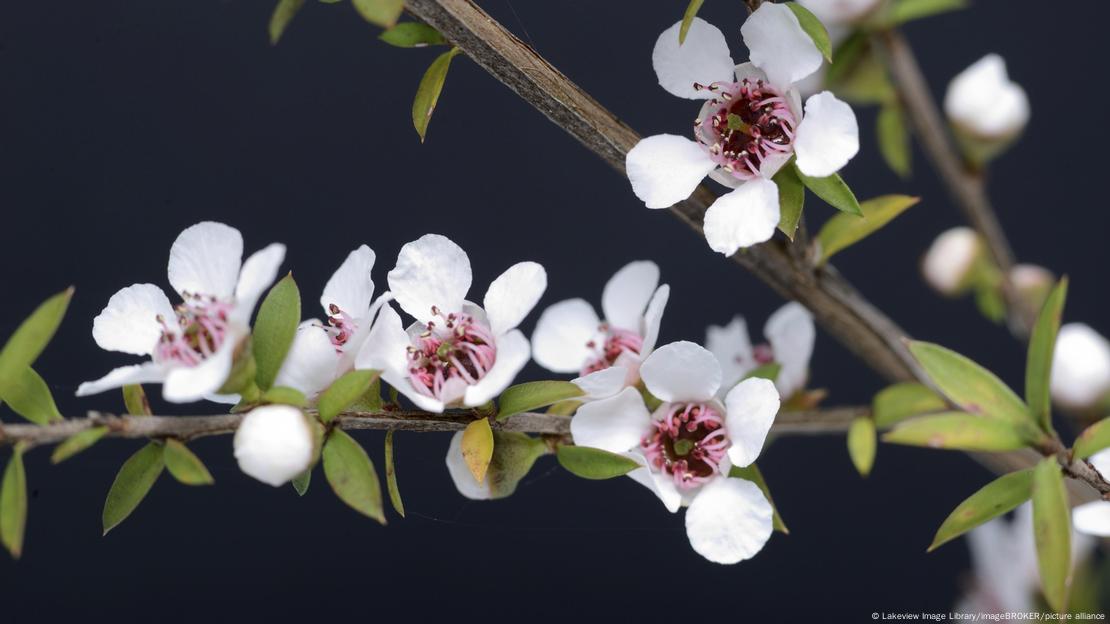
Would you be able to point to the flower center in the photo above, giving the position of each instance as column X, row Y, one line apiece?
column 615, row 342
column 202, row 327
column 688, row 442
column 763, row 354
column 745, row 124
column 448, row 357
column 340, row 327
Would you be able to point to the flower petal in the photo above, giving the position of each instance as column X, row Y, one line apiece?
column 745, row 216
column 984, row 100
column 185, row 384
column 147, row 372
column 259, row 272
column 778, row 45
column 828, row 136
column 664, row 169
column 729, row 520
column 386, row 346
column 431, row 271
column 653, row 317
column 274, row 444
column 513, row 352
column 350, row 287
column 661, row 484
column 791, row 332
column 703, row 58
column 513, row 294
column 559, row 342
column 205, row 260
column 627, row 293
column 733, row 349
column 615, row 424
column 129, row 323
column 460, row 473
column 312, row 363
column 681, row 371
column 751, row 409
column 603, row 383
column 1080, row 367
column 1092, row 518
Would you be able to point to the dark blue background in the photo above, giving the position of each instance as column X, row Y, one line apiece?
column 121, row 122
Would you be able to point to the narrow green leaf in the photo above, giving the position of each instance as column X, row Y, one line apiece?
column 792, row 195
column 1092, row 440
column 427, row 94
column 833, row 190
column 969, row 385
column 134, row 399
column 282, row 15
column 894, row 138
column 992, row 500
column 904, row 11
column 134, row 480
column 862, row 445
column 412, row 35
column 753, row 474
column 13, row 504
column 391, row 476
column 846, row 56
column 688, row 18
column 352, row 476
column 513, row 456
column 844, row 230
column 857, row 74
column 770, row 371
column 593, row 463
column 76, row 443
column 29, row 396
column 902, row 400
column 274, row 329
column 1052, row 532
column 302, row 481
column 477, row 448
column 32, row 336
column 958, row 431
column 1042, row 342
column 384, row 13
column 185, row 466
column 565, row 408
column 534, row 395
column 345, row 391
column 989, row 301
column 284, row 395
column 814, row 28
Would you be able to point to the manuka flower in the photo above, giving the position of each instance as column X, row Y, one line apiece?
column 790, row 334
column 982, row 101
column 1081, row 369
column 275, row 443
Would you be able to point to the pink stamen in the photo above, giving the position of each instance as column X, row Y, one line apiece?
column 687, row 441
column 768, row 126
column 617, row 342
column 201, row 328
column 463, row 349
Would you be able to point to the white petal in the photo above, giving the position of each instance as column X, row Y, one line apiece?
column 147, row 372
column 615, row 424
column 185, row 384
column 350, row 287
column 660, row 483
column 837, row 12
column 513, row 294
column 682, row 371
column 653, row 317
column 791, row 332
column 400, row 381
column 828, row 136
column 385, row 348
column 733, row 349
column 778, row 45
column 983, row 99
column 460, row 473
column 275, row 444
column 743, row 217
column 730, row 520
column 430, row 271
column 129, row 323
column 627, row 293
column 603, row 383
column 703, row 58
column 559, row 342
column 751, row 409
column 512, row 354
column 1092, row 518
column 311, row 364
column 664, row 169
column 1080, row 367
column 205, row 260
column 258, row 274
column 949, row 260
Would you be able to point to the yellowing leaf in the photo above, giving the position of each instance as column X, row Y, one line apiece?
column 687, row 19
column 384, row 13
column 861, row 444
column 844, row 229
column 477, row 448
column 427, row 94
column 282, row 15
column 958, row 431
column 902, row 400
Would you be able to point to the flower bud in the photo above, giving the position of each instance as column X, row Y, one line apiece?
column 949, row 265
column 986, row 109
column 1080, row 367
column 275, row 443
column 1032, row 283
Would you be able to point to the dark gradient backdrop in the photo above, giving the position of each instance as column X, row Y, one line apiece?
column 121, row 122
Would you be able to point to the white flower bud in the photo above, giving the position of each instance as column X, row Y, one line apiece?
column 1032, row 283
column 983, row 102
column 275, row 443
column 1080, row 367
column 950, row 260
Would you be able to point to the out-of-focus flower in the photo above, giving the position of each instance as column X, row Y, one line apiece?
column 1080, row 368
column 840, row 12
column 790, row 335
column 275, row 443
column 984, row 102
column 1032, row 283
column 949, row 264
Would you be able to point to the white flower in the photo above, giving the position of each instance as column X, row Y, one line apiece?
column 689, row 444
column 320, row 353
column 839, row 12
column 749, row 127
column 790, row 334
column 950, row 260
column 984, row 102
column 570, row 338
column 192, row 346
column 456, row 353
column 275, row 443
column 1080, row 367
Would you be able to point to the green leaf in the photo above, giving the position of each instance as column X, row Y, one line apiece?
column 184, row 465
column 345, row 391
column 593, row 463
column 814, row 28
column 274, row 329
column 843, row 229
column 32, row 336
column 894, row 138
column 13, row 504
column 29, row 396
column 565, row 408
column 534, row 395
column 477, row 448
column 384, row 13
column 959, row 431
column 284, row 395
column 1052, row 531
column 391, row 476
column 513, row 456
column 908, row 10
column 76, row 443
column 302, row 481
column 282, row 15
column 847, row 55
column 352, row 476
column 412, row 35
column 427, row 94
column 992, row 500
column 832, row 190
column 902, row 400
column 858, row 74
column 861, row 444
column 688, row 18
column 792, row 195
column 770, row 371
column 988, row 298
column 1092, row 440
column 134, row 480
column 134, row 399
column 1042, row 342
column 753, row 474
